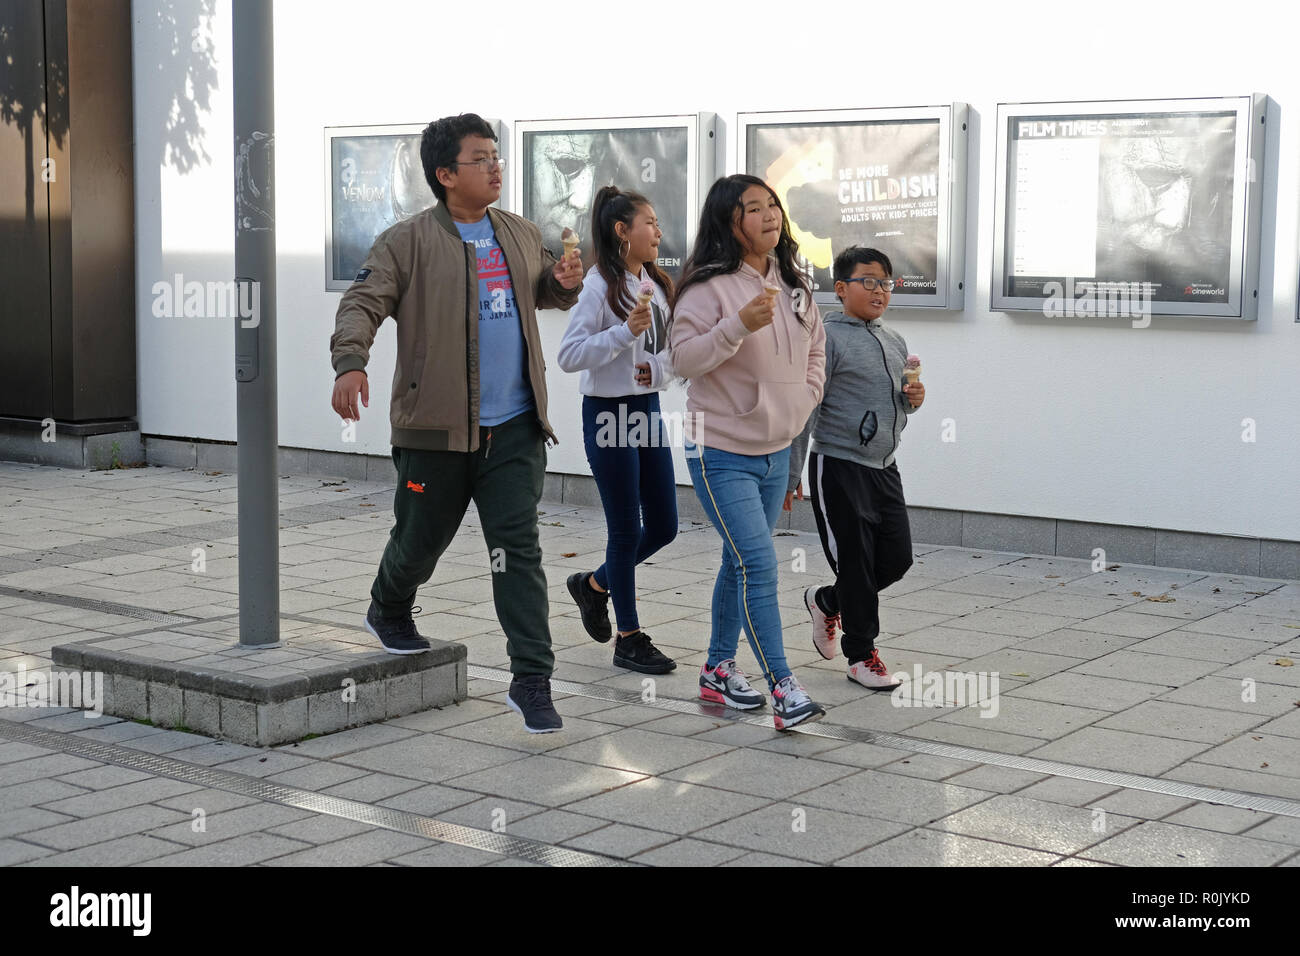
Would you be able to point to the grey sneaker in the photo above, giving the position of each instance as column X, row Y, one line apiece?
column 397, row 634
column 791, row 705
column 725, row 684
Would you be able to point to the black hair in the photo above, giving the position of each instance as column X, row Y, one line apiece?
column 716, row 251
column 855, row 256
column 613, row 205
column 440, row 145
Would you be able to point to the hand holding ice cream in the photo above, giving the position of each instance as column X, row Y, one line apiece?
column 912, row 369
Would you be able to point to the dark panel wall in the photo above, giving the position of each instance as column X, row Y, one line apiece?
column 85, row 368
column 25, row 358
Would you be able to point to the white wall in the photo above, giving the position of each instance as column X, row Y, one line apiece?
column 1060, row 418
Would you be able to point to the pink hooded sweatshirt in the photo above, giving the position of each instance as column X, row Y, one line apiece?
column 750, row 393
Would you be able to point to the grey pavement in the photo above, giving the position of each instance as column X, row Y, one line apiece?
column 1177, row 677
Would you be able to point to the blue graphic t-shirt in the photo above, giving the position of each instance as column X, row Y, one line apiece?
column 504, row 391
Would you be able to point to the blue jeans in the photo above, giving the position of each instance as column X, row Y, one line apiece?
column 742, row 495
column 634, row 473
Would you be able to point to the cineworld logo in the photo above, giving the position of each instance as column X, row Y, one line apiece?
column 914, row 282
column 102, row 909
column 1197, row 290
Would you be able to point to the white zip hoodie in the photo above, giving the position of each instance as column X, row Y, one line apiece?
column 598, row 343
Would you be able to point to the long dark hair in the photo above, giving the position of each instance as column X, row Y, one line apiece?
column 613, row 205
column 716, row 251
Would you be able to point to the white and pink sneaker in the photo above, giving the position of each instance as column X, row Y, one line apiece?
column 825, row 626
column 872, row 673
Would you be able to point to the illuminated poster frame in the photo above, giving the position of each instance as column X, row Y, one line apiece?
column 360, row 201
column 891, row 182
column 1120, row 202
column 560, row 164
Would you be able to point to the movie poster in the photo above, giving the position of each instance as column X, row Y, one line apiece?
column 872, row 183
column 563, row 169
column 1127, row 198
column 376, row 180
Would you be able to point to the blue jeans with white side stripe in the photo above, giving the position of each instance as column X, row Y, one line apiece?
column 742, row 495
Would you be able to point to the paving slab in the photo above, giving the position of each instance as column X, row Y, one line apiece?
column 1164, row 844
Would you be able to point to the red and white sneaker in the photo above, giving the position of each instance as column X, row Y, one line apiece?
column 825, row 626
column 872, row 673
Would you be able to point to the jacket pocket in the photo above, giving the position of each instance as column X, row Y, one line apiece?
column 780, row 414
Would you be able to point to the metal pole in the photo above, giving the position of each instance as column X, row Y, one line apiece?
column 255, row 371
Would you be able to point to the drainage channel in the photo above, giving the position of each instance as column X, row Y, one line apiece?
column 399, row 821
column 104, row 607
column 1116, row 778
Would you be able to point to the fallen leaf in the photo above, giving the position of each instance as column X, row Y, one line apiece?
column 569, row 554
column 1253, row 737
column 1263, row 765
column 1051, row 575
column 1284, row 662
column 1113, row 567
column 1019, row 674
column 1162, row 599
column 364, row 505
column 1295, row 627
column 1136, row 593
column 1217, row 590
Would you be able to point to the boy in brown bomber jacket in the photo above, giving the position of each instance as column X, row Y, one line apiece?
column 468, row 406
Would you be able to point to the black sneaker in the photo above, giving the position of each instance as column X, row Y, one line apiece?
column 530, row 696
column 397, row 634
column 593, row 605
column 635, row 652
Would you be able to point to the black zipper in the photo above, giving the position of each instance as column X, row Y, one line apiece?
column 471, row 269
column 893, row 403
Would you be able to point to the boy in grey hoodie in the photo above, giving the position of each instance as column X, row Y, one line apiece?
column 856, row 490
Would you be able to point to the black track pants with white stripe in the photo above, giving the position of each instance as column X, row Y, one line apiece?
column 862, row 520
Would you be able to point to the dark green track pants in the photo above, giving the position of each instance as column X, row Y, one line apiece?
column 504, row 479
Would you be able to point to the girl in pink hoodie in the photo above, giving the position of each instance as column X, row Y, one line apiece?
column 748, row 337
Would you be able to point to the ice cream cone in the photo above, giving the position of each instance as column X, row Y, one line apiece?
column 645, row 292
column 571, row 240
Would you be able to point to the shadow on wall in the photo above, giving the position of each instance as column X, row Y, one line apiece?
column 24, row 75
column 173, row 92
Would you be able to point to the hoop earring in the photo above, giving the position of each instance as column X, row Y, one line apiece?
column 621, row 253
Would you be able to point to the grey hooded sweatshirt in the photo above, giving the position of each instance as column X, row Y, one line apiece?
column 864, row 411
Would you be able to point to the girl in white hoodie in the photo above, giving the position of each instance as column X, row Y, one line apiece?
column 618, row 339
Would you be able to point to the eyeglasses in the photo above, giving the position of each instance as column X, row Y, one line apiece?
column 487, row 165
column 870, row 283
